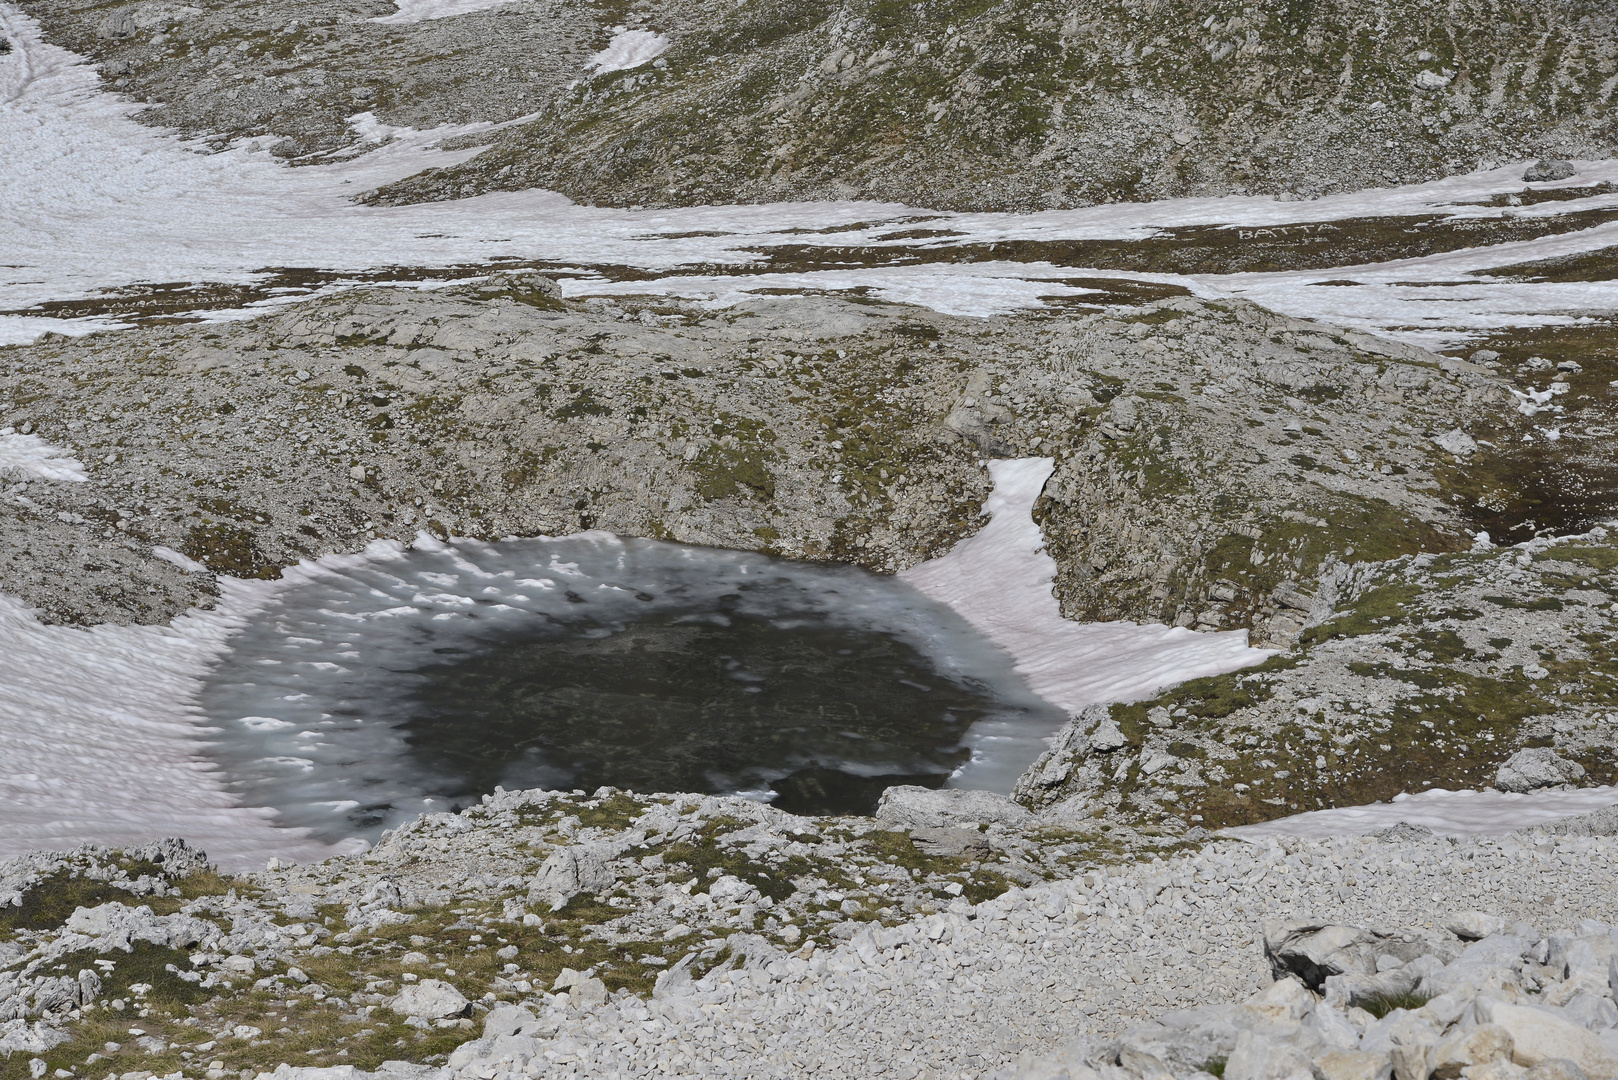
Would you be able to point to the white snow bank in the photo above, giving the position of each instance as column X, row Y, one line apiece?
column 972, row 289
column 415, row 11
column 98, row 741
column 1453, row 813
column 628, row 49
column 1436, row 301
column 1000, row 581
column 28, row 457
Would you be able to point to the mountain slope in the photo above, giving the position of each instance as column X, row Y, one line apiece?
column 966, row 105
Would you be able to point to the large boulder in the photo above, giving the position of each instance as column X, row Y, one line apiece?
column 430, row 999
column 1547, row 169
column 1473, row 1046
column 1494, row 963
column 1537, row 767
column 178, row 858
column 1258, row 1058
column 1093, row 731
column 1314, row 953
column 21, row 1037
column 1474, row 925
column 1353, row 1065
column 1349, row 963
column 911, row 807
column 581, row 987
column 118, row 926
column 575, row 870
column 1539, row 1036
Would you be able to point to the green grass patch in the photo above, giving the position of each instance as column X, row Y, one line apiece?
column 1375, row 610
column 723, row 472
column 145, row 965
column 1538, row 603
column 695, row 862
column 1207, row 699
column 1380, row 1005
column 616, row 812
column 228, row 549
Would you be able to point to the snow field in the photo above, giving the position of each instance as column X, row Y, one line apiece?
column 93, row 201
column 415, row 11
column 1000, row 581
column 98, row 743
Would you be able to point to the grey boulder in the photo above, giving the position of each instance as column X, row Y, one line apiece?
column 1537, row 767
column 573, row 870
column 120, row 24
column 913, row 807
column 430, row 999
column 117, row 926
column 1547, row 169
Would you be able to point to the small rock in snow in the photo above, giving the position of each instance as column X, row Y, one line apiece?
column 1547, row 169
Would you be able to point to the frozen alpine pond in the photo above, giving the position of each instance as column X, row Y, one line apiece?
column 306, row 714
column 420, row 682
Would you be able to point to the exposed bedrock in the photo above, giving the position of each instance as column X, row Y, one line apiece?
column 1212, row 460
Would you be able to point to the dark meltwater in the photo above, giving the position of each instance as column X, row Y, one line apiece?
column 411, row 681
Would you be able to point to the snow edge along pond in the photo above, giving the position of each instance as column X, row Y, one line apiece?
column 102, row 741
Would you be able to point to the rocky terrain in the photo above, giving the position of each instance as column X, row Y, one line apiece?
column 1216, row 466
column 554, row 934
column 1422, row 539
column 1431, row 670
column 1208, row 454
column 945, row 105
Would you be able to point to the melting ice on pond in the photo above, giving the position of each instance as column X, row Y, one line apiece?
column 393, row 686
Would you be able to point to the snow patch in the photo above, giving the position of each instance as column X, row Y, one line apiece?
column 98, row 741
column 1453, row 813
column 169, row 555
column 976, row 290
column 628, row 49
column 999, row 580
column 28, row 457
column 415, row 11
